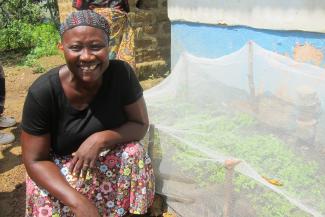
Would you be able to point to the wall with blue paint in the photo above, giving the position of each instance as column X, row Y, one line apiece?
column 213, row 41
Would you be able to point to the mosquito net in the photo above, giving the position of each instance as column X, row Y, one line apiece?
column 240, row 136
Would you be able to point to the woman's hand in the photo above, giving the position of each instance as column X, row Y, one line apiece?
column 135, row 129
column 84, row 159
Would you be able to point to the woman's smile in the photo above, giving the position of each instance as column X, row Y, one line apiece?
column 88, row 67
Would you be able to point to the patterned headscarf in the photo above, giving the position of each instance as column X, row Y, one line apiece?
column 85, row 18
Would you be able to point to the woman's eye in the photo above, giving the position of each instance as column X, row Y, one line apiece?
column 96, row 47
column 75, row 47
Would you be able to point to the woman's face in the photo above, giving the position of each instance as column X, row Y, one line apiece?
column 86, row 51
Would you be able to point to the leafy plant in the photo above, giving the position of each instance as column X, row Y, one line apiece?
column 25, row 11
column 38, row 68
column 16, row 35
column 45, row 38
column 24, row 28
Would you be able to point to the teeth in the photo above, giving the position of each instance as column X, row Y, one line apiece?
column 92, row 67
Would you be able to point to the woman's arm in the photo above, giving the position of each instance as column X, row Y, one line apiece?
column 35, row 151
column 134, row 129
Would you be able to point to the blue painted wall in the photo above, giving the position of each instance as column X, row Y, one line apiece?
column 215, row 40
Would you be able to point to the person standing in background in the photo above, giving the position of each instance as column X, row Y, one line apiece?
column 122, row 35
column 4, row 121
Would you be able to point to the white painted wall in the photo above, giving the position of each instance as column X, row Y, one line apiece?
column 306, row 15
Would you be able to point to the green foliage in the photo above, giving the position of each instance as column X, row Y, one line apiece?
column 24, row 11
column 52, row 7
column 37, row 41
column 38, row 68
column 17, row 35
column 45, row 38
column 23, row 29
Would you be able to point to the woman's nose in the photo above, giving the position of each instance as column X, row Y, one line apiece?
column 86, row 55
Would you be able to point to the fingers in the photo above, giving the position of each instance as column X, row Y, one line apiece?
column 82, row 168
column 87, row 169
column 82, row 163
column 92, row 164
column 77, row 168
column 73, row 162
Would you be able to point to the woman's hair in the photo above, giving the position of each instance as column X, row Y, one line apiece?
column 85, row 18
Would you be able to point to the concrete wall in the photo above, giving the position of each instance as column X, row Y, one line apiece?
column 213, row 28
column 306, row 15
column 214, row 41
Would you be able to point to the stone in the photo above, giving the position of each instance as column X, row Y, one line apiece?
column 152, row 29
column 144, row 43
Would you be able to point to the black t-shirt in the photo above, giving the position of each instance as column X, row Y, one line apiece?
column 47, row 110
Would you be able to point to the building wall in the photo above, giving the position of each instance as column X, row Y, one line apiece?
column 217, row 40
column 152, row 37
column 213, row 28
column 306, row 15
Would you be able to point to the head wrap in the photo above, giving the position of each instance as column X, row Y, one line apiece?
column 85, row 18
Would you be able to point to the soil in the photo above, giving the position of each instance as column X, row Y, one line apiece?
column 12, row 171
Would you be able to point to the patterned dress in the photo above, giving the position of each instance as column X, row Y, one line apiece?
column 122, row 182
column 121, row 40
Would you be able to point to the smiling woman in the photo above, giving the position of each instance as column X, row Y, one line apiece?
column 81, row 125
column 123, row 36
column 85, row 50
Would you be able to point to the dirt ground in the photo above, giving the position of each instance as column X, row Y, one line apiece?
column 12, row 171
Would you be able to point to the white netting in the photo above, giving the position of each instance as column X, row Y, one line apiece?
column 254, row 106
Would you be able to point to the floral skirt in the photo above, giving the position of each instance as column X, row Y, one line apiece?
column 122, row 182
column 121, row 40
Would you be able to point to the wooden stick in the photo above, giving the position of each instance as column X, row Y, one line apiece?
column 229, row 188
column 151, row 139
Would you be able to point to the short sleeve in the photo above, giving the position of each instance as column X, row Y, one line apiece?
column 132, row 89
column 36, row 116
